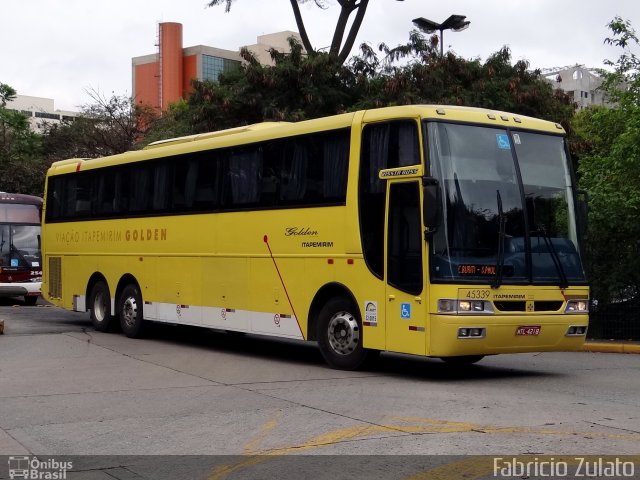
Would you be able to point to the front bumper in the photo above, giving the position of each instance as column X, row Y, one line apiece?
column 500, row 334
column 19, row 289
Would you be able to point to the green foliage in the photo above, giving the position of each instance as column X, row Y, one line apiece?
column 448, row 79
column 106, row 126
column 300, row 86
column 610, row 171
column 175, row 122
column 20, row 150
column 7, row 93
column 295, row 88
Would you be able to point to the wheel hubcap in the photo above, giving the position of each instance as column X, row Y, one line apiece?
column 344, row 333
column 100, row 307
column 130, row 311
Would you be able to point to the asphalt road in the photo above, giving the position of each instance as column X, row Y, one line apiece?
column 66, row 389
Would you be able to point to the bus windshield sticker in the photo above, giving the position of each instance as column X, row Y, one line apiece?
column 371, row 313
column 503, row 141
column 516, row 139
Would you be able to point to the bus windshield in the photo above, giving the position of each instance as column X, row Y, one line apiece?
column 508, row 212
column 19, row 245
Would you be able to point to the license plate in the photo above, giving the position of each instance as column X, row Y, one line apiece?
column 528, row 330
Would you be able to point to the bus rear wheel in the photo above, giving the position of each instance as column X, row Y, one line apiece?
column 130, row 311
column 340, row 335
column 100, row 307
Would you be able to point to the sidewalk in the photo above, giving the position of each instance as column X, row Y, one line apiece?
column 611, row 346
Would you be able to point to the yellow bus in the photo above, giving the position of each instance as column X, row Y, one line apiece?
column 440, row 231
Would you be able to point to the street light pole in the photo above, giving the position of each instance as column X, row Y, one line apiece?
column 456, row 23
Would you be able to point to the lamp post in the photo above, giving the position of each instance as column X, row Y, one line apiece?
column 456, row 23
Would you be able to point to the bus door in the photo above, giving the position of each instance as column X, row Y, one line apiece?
column 405, row 252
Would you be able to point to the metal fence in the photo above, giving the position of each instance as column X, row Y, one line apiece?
column 615, row 321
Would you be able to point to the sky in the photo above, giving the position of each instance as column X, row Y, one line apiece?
column 59, row 49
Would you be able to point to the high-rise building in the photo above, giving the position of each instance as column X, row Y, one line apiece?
column 165, row 77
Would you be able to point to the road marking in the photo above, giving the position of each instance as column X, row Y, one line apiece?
column 408, row 425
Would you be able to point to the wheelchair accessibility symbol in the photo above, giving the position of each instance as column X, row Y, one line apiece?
column 405, row 310
column 503, row 141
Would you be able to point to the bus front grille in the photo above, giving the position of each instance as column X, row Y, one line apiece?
column 521, row 306
column 55, row 277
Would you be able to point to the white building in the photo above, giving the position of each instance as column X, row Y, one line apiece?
column 39, row 110
column 578, row 81
column 278, row 41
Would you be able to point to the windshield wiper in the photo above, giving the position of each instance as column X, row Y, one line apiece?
column 502, row 222
column 564, row 283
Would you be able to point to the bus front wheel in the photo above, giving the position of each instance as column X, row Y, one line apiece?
column 130, row 311
column 30, row 300
column 340, row 335
column 100, row 306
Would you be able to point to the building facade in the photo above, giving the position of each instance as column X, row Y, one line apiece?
column 39, row 111
column 580, row 82
column 164, row 77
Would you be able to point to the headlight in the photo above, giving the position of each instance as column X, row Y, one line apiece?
column 577, row 306
column 452, row 306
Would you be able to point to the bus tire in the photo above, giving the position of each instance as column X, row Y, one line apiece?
column 462, row 360
column 100, row 307
column 30, row 300
column 340, row 335
column 130, row 312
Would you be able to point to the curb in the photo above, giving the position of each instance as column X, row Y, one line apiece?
column 611, row 347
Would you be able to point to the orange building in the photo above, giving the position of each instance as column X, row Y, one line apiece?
column 165, row 76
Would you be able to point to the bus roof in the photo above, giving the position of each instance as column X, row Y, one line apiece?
column 20, row 198
column 267, row 130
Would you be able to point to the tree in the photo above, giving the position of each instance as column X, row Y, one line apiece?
column 340, row 46
column 610, row 171
column 20, row 150
column 299, row 87
column 105, row 126
column 296, row 87
column 7, row 94
column 429, row 77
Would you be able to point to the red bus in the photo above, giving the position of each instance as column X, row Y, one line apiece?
column 20, row 259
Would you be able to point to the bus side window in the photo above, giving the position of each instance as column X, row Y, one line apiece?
column 203, row 187
column 294, row 172
column 335, row 162
column 121, row 192
column 161, row 190
column 244, row 167
column 384, row 145
column 185, row 174
column 272, row 173
column 78, row 196
column 54, row 198
column 105, row 193
column 141, row 185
